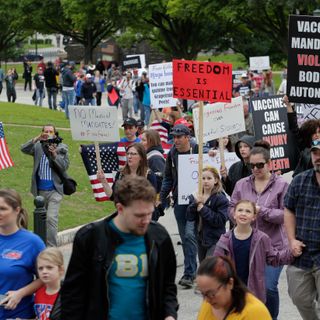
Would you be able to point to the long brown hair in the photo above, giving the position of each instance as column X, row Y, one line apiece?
column 12, row 198
column 218, row 186
column 143, row 164
column 153, row 138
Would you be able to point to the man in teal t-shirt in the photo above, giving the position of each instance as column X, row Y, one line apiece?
column 124, row 266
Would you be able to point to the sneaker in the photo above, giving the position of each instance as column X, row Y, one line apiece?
column 186, row 281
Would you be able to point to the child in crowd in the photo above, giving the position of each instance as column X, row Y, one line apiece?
column 50, row 270
column 250, row 249
column 210, row 212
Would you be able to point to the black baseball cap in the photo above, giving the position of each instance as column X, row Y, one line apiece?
column 140, row 123
column 180, row 130
column 130, row 122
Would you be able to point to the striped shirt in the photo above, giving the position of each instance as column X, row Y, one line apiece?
column 45, row 181
column 303, row 199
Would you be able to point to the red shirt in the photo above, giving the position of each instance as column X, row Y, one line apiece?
column 43, row 303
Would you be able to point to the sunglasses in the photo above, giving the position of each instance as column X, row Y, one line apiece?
column 315, row 143
column 258, row 165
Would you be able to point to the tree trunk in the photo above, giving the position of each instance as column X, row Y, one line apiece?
column 88, row 48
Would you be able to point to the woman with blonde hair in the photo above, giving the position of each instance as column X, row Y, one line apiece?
column 19, row 249
column 209, row 211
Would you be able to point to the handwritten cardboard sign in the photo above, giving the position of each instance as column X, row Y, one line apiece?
column 204, row 81
column 259, row 63
column 188, row 174
column 303, row 59
column 94, row 123
column 271, row 124
column 220, row 119
column 161, row 90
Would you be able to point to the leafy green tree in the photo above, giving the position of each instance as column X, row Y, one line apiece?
column 178, row 27
column 86, row 21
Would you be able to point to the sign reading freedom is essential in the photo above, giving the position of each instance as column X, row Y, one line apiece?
column 303, row 59
column 131, row 62
column 94, row 123
column 161, row 93
column 271, row 124
column 220, row 119
column 188, row 174
column 204, row 81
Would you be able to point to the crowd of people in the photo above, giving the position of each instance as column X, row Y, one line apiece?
column 124, row 267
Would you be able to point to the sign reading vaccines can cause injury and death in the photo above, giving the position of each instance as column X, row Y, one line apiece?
column 189, row 175
column 220, row 119
column 94, row 123
column 131, row 62
column 271, row 124
column 303, row 83
column 202, row 81
column 160, row 80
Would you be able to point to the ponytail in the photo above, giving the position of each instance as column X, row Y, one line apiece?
column 22, row 220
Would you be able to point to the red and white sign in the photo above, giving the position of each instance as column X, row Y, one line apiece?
column 205, row 81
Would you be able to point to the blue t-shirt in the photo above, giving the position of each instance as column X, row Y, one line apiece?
column 127, row 278
column 125, row 139
column 18, row 254
column 241, row 251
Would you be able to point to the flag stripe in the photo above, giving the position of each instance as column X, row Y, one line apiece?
column 5, row 159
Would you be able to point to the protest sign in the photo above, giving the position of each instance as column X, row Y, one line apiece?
column 259, row 63
column 236, row 77
column 204, row 81
column 160, row 80
column 303, row 59
column 271, row 124
column 94, row 123
column 307, row 112
column 131, row 62
column 220, row 119
column 188, row 173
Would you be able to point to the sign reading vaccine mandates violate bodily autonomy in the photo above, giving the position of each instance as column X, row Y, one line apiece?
column 303, row 83
column 202, row 81
column 271, row 124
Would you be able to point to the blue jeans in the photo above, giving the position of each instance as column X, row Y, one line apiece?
column 52, row 97
column 68, row 98
column 91, row 102
column 187, row 232
column 135, row 103
column 272, row 275
column 147, row 112
column 39, row 97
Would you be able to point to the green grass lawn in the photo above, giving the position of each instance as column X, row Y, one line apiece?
column 81, row 207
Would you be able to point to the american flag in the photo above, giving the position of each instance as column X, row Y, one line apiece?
column 5, row 159
column 113, row 156
column 163, row 132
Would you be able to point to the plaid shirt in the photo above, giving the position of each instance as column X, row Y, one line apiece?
column 303, row 199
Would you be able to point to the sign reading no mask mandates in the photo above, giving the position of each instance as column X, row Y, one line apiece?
column 94, row 123
column 303, row 83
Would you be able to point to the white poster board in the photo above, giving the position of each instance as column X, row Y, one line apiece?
column 259, row 63
column 94, row 123
column 161, row 88
column 220, row 119
column 188, row 172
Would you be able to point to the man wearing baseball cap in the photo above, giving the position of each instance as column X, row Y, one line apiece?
column 182, row 145
column 301, row 220
column 130, row 127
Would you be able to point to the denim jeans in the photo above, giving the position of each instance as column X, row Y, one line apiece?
column 68, row 97
column 135, row 104
column 187, row 232
column 147, row 112
column 52, row 97
column 272, row 275
column 91, row 102
column 304, row 291
column 39, row 97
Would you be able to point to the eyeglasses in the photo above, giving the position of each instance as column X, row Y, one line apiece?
column 209, row 294
column 258, row 165
column 131, row 154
